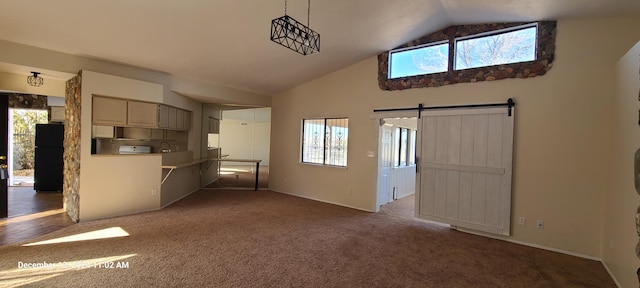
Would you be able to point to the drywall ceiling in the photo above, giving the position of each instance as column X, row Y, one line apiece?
column 226, row 42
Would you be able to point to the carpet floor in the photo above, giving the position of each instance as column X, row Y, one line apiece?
column 237, row 238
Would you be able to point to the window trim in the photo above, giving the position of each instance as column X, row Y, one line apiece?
column 421, row 46
column 453, row 57
column 324, row 145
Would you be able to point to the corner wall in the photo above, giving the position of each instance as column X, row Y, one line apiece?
column 621, row 198
column 560, row 135
column 113, row 185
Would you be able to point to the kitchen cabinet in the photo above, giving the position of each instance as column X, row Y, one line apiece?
column 142, row 114
column 172, row 118
column 109, row 111
column 214, row 125
column 117, row 112
column 167, row 117
column 183, row 120
column 179, row 119
column 102, row 131
column 163, row 116
column 57, row 114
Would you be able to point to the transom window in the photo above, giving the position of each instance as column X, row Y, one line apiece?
column 424, row 59
column 506, row 46
column 501, row 47
column 324, row 141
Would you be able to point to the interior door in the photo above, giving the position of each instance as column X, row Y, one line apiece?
column 4, row 115
column 386, row 162
column 465, row 168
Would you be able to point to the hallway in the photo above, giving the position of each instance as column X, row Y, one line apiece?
column 31, row 214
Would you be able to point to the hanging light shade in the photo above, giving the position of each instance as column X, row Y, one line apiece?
column 294, row 35
column 35, row 80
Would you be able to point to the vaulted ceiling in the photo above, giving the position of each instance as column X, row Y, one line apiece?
column 226, row 42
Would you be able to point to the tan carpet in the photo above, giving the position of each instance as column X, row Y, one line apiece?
column 218, row 238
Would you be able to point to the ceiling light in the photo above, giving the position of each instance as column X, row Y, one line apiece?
column 294, row 35
column 35, row 80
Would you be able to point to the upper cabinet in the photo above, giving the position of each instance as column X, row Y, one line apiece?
column 167, row 117
column 214, row 125
column 56, row 114
column 130, row 113
column 109, row 111
column 183, row 119
column 142, row 114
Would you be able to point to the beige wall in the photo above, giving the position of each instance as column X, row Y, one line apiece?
column 18, row 83
column 171, row 93
column 23, row 55
column 621, row 200
column 561, row 147
column 115, row 185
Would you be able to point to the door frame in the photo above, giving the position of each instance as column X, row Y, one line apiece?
column 381, row 190
column 378, row 117
column 4, row 141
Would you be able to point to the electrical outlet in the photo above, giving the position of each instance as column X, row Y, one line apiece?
column 521, row 221
column 153, row 192
column 540, row 224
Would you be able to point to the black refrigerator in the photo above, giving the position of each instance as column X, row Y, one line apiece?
column 48, row 167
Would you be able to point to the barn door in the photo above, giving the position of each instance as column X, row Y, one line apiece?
column 465, row 168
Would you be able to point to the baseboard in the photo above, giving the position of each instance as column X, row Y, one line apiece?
column 544, row 248
column 554, row 250
column 610, row 273
column 178, row 199
column 537, row 246
column 320, row 200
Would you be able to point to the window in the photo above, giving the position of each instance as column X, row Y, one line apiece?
column 470, row 53
column 405, row 152
column 501, row 47
column 324, row 141
column 426, row 59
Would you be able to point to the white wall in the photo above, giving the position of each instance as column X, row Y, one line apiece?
column 561, row 144
column 246, row 134
column 621, row 199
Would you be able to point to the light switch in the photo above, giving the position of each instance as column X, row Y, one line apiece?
column 370, row 154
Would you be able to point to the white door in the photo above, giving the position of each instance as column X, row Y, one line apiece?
column 465, row 168
column 386, row 162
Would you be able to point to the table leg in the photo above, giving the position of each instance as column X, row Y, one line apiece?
column 257, row 173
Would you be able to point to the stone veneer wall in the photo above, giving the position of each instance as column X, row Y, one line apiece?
column 71, row 183
column 543, row 63
column 27, row 101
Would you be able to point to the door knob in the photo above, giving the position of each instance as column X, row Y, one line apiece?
column 3, row 157
column 3, row 166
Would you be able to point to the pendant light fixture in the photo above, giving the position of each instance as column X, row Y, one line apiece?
column 35, row 80
column 294, row 35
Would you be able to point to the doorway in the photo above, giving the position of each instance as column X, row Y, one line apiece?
column 244, row 135
column 397, row 163
column 21, row 126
